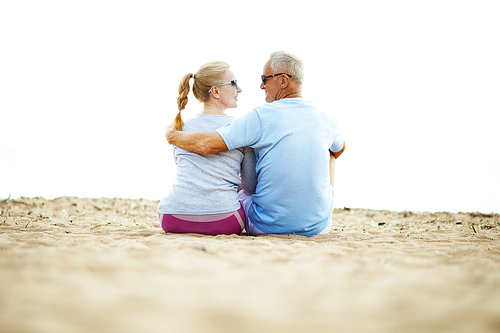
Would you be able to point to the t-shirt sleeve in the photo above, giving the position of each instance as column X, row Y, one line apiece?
column 338, row 138
column 244, row 131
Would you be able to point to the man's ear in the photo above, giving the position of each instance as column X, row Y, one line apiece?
column 284, row 81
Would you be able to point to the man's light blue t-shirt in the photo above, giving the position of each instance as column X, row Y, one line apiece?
column 291, row 139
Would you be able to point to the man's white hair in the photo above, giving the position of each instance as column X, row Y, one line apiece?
column 285, row 62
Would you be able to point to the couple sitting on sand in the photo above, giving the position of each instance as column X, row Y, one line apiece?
column 268, row 172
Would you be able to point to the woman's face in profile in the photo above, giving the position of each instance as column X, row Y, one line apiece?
column 229, row 92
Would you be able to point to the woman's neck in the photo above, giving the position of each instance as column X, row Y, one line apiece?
column 213, row 109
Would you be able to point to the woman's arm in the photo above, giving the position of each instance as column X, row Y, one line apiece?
column 247, row 172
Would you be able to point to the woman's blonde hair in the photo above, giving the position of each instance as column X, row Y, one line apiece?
column 209, row 75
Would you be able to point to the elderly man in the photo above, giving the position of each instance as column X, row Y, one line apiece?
column 295, row 145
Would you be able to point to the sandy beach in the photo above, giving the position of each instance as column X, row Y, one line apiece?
column 105, row 265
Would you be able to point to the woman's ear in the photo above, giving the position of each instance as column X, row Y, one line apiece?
column 214, row 91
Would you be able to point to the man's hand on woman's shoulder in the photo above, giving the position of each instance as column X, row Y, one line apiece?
column 169, row 134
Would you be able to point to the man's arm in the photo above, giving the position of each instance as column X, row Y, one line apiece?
column 197, row 142
column 337, row 154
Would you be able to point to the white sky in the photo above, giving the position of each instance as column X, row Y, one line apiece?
column 87, row 88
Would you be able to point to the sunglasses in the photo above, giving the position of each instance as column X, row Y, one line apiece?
column 234, row 83
column 264, row 78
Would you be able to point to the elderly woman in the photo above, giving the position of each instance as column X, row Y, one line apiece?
column 204, row 197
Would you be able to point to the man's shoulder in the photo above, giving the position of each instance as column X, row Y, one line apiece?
column 297, row 102
column 273, row 106
column 263, row 107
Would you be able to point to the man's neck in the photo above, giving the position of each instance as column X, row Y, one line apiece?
column 292, row 93
column 295, row 95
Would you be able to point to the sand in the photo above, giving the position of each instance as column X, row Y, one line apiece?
column 105, row 265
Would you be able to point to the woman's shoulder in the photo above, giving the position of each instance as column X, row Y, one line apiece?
column 206, row 122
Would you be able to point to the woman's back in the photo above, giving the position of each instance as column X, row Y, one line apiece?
column 208, row 184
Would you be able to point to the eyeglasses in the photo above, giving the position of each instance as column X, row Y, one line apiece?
column 264, row 78
column 234, row 83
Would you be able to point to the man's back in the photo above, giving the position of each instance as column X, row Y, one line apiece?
column 291, row 139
